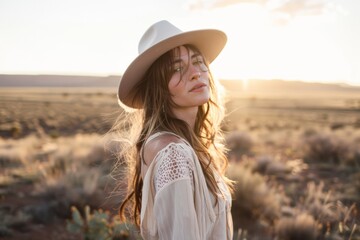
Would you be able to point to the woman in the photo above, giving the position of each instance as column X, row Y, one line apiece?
column 175, row 160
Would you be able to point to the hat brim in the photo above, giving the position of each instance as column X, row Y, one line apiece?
column 210, row 42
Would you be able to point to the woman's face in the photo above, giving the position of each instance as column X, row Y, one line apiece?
column 189, row 84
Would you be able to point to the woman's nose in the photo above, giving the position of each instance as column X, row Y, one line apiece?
column 194, row 71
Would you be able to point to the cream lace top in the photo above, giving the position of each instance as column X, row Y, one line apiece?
column 176, row 203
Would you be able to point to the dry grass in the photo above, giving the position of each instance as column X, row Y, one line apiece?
column 47, row 176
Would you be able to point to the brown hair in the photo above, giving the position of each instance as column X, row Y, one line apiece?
column 206, row 137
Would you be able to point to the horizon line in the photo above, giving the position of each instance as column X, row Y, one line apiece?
column 223, row 79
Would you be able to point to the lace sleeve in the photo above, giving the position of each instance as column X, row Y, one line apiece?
column 175, row 165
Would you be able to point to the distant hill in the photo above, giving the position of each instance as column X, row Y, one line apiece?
column 57, row 81
column 284, row 88
column 233, row 87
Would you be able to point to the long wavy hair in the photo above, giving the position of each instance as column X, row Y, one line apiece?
column 135, row 127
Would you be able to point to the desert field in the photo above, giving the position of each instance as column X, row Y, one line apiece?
column 295, row 157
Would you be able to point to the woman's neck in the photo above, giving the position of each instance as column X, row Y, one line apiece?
column 187, row 114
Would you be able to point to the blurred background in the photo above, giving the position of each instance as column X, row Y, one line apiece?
column 291, row 72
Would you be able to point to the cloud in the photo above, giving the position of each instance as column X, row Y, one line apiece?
column 289, row 7
column 301, row 7
column 285, row 11
column 206, row 4
column 281, row 11
column 225, row 3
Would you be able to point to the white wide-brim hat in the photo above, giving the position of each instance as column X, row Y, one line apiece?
column 157, row 40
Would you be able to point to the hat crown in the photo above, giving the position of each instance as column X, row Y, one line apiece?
column 156, row 33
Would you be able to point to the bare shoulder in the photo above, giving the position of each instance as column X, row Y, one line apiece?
column 155, row 145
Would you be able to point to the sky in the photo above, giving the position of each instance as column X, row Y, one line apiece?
column 307, row 40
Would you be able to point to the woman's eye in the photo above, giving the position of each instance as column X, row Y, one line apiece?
column 178, row 69
column 200, row 63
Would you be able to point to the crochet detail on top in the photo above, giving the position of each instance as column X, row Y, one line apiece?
column 175, row 165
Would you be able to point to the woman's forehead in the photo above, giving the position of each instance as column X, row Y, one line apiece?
column 184, row 52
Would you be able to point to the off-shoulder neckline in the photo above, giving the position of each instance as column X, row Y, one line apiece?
column 155, row 135
column 154, row 160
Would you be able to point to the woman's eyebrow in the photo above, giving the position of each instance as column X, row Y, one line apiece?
column 179, row 59
column 195, row 55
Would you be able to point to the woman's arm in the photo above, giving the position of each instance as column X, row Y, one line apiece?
column 174, row 207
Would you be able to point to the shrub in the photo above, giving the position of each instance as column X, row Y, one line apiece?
column 13, row 221
column 99, row 225
column 254, row 201
column 267, row 165
column 9, row 159
column 301, row 227
column 239, row 143
column 325, row 148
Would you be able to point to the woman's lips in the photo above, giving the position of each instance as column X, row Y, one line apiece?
column 198, row 87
